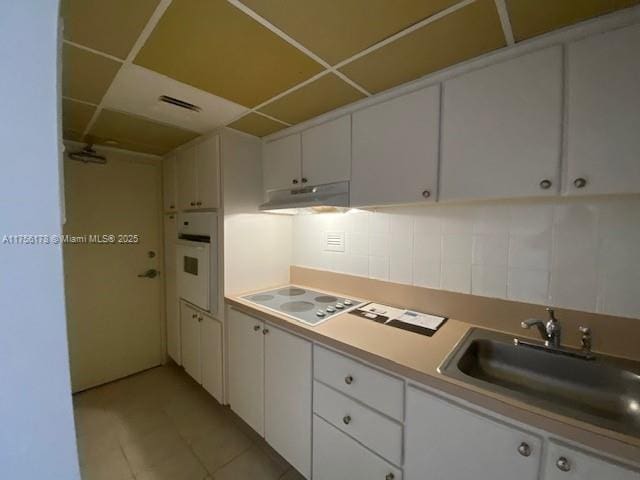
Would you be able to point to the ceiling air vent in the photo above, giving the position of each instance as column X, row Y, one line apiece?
column 179, row 103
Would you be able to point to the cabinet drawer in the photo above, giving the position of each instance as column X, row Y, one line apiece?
column 338, row 457
column 372, row 387
column 375, row 431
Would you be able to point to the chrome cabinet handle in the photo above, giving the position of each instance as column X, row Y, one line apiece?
column 580, row 182
column 172, row 206
column 389, row 476
column 199, row 319
column 193, row 204
column 294, row 181
column 151, row 273
column 524, row 449
column 265, row 331
column 198, row 203
column 426, row 193
column 256, row 328
column 346, row 419
column 563, row 464
column 348, row 379
column 545, row 184
column 304, row 180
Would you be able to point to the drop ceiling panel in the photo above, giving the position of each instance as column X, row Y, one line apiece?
column 258, row 125
column 72, row 135
column 128, row 130
column 217, row 48
column 76, row 115
column 111, row 26
column 320, row 96
column 533, row 17
column 85, row 75
column 136, row 90
column 466, row 33
column 338, row 29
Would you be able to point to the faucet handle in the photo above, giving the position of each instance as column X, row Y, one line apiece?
column 552, row 314
column 584, row 330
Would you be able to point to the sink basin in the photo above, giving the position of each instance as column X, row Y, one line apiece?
column 604, row 391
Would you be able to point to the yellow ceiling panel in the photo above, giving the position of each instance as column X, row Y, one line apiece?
column 213, row 46
column 533, row 17
column 72, row 135
column 131, row 130
column 320, row 96
column 258, row 125
column 126, row 145
column 337, row 29
column 76, row 115
column 466, row 33
column 85, row 75
column 111, row 26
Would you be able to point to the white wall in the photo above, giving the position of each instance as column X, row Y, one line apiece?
column 575, row 253
column 37, row 437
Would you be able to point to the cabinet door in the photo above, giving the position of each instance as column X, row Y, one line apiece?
column 287, row 397
column 211, row 348
column 395, row 150
column 336, row 456
column 246, row 368
column 566, row 463
column 281, row 163
column 190, row 336
column 207, row 168
column 603, row 145
column 186, row 169
column 170, row 294
column 169, row 181
column 501, row 130
column 326, row 152
column 447, row 441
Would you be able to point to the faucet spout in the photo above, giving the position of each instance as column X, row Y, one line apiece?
column 539, row 324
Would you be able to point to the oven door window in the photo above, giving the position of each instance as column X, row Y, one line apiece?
column 190, row 265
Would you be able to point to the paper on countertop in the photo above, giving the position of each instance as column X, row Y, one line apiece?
column 423, row 320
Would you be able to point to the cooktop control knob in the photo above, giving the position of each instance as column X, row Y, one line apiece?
column 330, row 309
column 348, row 302
column 320, row 313
column 339, row 306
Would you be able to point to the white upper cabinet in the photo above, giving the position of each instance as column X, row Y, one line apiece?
column 169, row 180
column 565, row 463
column 326, row 152
column 603, row 88
column 186, row 168
column 501, row 130
column 395, row 150
column 207, row 165
column 282, row 163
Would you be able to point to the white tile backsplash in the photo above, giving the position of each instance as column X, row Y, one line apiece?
column 580, row 253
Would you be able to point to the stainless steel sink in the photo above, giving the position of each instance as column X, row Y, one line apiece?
column 604, row 391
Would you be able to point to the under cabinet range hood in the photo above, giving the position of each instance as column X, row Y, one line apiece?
column 328, row 195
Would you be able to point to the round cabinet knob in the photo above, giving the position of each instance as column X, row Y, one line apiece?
column 348, row 379
column 580, row 182
column 426, row 193
column 545, row 184
column 524, row 449
column 304, row 180
column 198, row 203
column 172, row 206
column 193, row 204
column 199, row 319
column 346, row 419
column 265, row 331
column 389, row 476
column 563, row 464
column 256, row 328
column 294, row 181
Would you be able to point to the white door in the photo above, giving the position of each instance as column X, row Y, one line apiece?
column 207, row 168
column 190, row 320
column 338, row 457
column 170, row 294
column 281, row 163
column 114, row 316
column 501, row 130
column 603, row 145
column 211, row 350
column 445, row 441
column 246, row 368
column 186, row 178
column 169, row 190
column 326, row 152
column 395, row 150
column 566, row 463
column 287, row 397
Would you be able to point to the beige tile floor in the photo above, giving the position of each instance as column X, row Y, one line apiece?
column 161, row 425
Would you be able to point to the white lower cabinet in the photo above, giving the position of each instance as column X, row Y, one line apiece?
column 270, row 385
column 445, row 441
column 201, row 337
column 567, row 463
column 338, row 457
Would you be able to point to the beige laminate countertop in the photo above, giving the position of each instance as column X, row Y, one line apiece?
column 417, row 357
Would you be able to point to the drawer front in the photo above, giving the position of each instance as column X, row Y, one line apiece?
column 373, row 430
column 372, row 387
column 338, row 457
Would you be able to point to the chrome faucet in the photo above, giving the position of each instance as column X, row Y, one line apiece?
column 550, row 331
